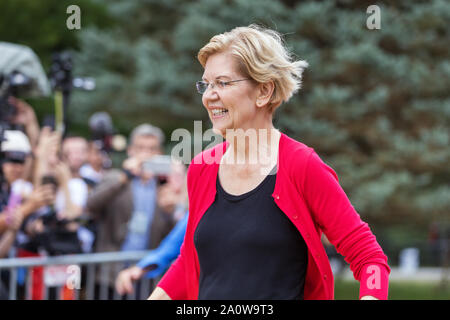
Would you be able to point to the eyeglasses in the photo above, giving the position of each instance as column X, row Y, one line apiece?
column 202, row 86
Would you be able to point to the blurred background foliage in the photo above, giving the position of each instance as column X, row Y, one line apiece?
column 374, row 104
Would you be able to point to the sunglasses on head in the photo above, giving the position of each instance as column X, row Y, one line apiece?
column 14, row 157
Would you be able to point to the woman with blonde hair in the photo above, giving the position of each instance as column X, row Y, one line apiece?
column 257, row 212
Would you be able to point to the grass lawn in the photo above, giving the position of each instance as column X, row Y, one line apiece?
column 398, row 290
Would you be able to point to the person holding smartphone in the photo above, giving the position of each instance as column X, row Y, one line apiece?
column 124, row 203
column 172, row 199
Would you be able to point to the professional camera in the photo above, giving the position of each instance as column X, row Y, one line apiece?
column 55, row 239
column 21, row 75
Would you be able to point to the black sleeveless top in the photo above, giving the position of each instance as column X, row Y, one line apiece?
column 249, row 249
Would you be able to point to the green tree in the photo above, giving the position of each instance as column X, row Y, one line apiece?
column 374, row 104
column 41, row 25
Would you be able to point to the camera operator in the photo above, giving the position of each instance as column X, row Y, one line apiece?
column 124, row 202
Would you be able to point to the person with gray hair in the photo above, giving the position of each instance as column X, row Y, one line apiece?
column 147, row 129
column 124, row 202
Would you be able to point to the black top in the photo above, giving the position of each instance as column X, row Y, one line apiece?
column 249, row 249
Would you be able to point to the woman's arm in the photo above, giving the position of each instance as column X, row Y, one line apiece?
column 344, row 228
column 14, row 221
column 6, row 241
column 71, row 209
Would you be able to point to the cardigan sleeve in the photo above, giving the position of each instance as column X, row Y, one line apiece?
column 175, row 280
column 344, row 228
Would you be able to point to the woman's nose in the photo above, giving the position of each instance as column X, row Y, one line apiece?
column 210, row 94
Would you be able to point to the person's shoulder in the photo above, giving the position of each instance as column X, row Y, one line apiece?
column 303, row 161
column 294, row 151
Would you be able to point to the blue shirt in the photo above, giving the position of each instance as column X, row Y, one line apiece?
column 139, row 226
column 167, row 251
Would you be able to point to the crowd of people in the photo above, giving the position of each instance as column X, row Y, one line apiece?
column 59, row 197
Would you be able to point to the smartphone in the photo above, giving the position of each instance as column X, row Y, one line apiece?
column 159, row 165
column 49, row 179
column 49, row 121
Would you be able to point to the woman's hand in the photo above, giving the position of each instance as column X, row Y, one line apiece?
column 46, row 153
column 62, row 173
column 25, row 116
column 43, row 195
column 159, row 294
column 368, row 298
column 48, row 145
column 34, row 227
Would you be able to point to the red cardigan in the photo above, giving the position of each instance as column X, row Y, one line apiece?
column 308, row 192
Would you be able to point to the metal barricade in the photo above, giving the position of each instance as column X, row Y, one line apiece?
column 71, row 277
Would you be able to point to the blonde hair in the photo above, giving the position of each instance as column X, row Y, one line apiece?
column 261, row 55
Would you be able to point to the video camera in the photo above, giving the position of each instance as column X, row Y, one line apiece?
column 55, row 238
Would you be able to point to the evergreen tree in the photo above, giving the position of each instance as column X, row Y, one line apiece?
column 374, row 103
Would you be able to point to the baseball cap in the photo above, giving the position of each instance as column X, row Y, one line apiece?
column 15, row 146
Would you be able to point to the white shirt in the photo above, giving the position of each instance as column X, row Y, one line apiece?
column 78, row 194
column 86, row 171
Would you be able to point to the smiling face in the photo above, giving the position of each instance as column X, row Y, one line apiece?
column 233, row 106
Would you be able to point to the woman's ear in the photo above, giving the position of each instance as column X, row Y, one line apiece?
column 265, row 93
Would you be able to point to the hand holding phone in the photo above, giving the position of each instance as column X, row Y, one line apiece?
column 159, row 165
